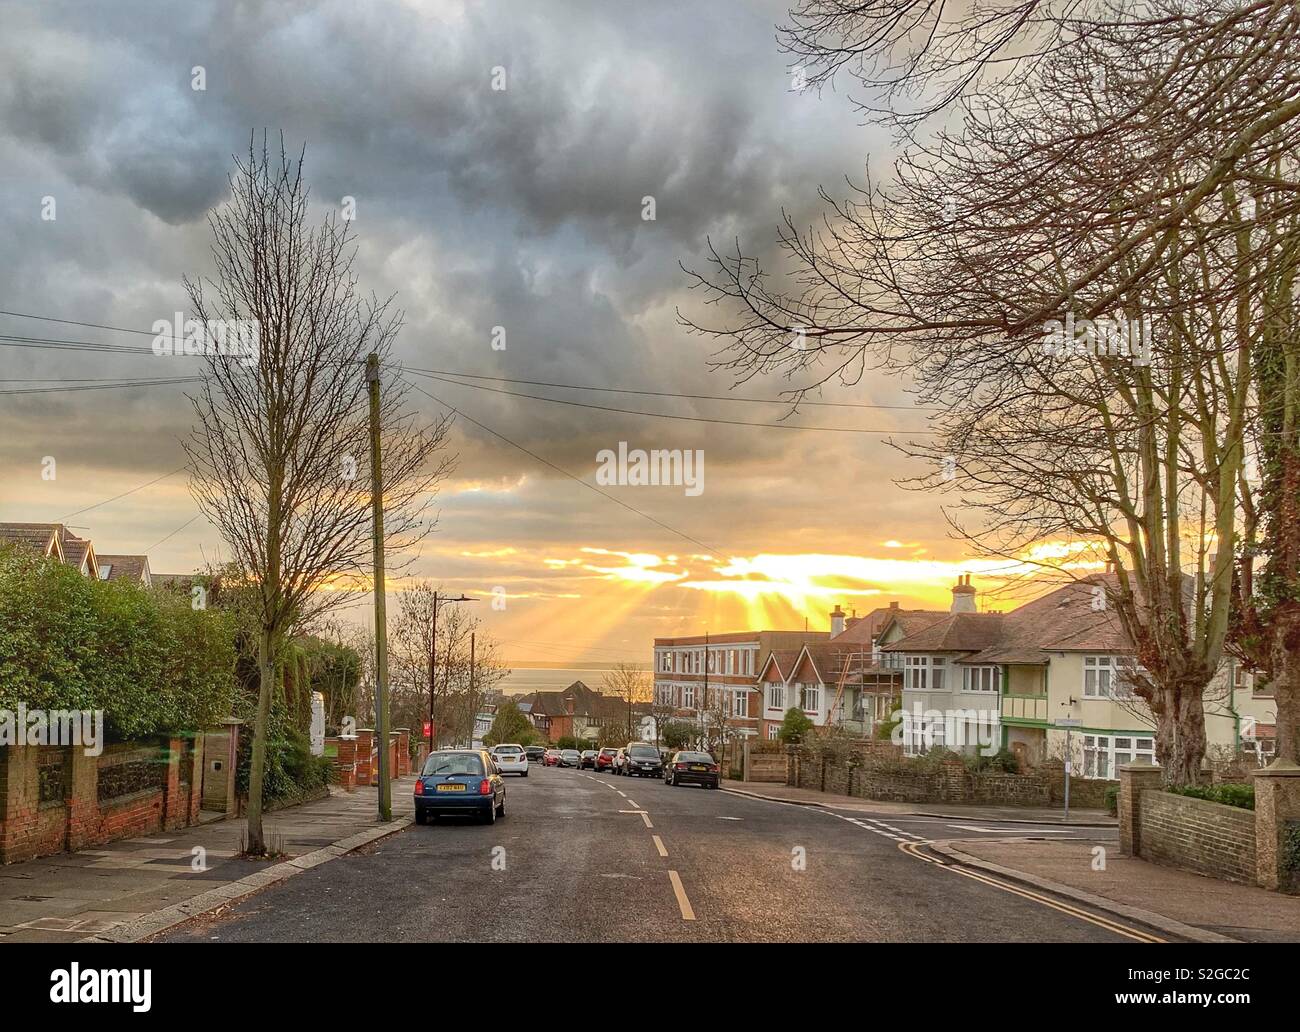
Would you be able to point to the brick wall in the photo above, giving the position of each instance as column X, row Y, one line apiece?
column 877, row 770
column 1197, row 835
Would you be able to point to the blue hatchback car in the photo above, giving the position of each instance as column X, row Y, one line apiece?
column 460, row 782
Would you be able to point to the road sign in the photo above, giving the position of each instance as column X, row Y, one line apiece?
column 1067, row 722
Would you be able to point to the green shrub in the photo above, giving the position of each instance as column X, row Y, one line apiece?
column 1227, row 794
column 1112, row 800
column 795, row 727
column 150, row 661
column 1002, row 762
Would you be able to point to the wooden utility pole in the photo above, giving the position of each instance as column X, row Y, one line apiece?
column 433, row 666
column 381, row 616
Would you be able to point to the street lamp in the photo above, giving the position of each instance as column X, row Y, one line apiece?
column 433, row 655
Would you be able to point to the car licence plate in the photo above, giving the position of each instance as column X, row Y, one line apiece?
column 698, row 767
column 451, row 788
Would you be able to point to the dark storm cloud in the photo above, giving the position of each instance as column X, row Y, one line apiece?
column 479, row 208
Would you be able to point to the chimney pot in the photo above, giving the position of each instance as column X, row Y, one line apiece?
column 963, row 596
column 837, row 621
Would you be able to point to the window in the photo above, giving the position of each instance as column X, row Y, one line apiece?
column 740, row 707
column 665, row 662
column 773, row 730
column 920, row 735
column 1103, row 755
column 775, row 696
column 810, row 697
column 1098, row 675
column 688, row 696
column 981, row 679
column 924, row 673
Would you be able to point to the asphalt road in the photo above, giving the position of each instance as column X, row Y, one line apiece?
column 586, row 857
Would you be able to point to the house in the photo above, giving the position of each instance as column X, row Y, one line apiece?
column 53, row 540
column 1003, row 680
column 844, row 681
column 577, row 711
column 133, row 568
column 709, row 678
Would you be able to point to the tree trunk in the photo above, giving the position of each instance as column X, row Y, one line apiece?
column 257, row 765
column 1180, row 738
column 1286, row 680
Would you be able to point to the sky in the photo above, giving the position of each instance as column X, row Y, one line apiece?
column 477, row 207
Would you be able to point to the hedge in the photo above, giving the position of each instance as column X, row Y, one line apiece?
column 146, row 658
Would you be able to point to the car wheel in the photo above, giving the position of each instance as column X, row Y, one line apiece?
column 491, row 817
column 525, row 773
column 501, row 810
column 420, row 816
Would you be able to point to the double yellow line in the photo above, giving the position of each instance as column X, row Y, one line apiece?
column 913, row 849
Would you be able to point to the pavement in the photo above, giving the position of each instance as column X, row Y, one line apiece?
column 127, row 889
column 1002, row 814
column 1190, row 905
column 582, row 857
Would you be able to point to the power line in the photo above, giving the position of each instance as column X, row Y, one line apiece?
column 74, row 322
column 133, row 490
column 174, row 532
column 665, row 415
column 101, row 386
column 671, row 394
column 59, row 344
column 565, row 472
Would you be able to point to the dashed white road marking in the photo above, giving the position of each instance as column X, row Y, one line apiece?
column 646, row 817
column 659, row 845
column 633, row 802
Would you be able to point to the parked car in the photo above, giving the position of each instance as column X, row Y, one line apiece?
column 605, row 758
column 510, row 759
column 692, row 768
column 588, row 759
column 551, row 758
column 465, row 782
column 570, row 758
column 619, row 764
column 642, row 759
column 535, row 753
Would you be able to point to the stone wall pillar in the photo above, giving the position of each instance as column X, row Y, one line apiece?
column 1134, row 779
column 1277, row 826
column 403, row 751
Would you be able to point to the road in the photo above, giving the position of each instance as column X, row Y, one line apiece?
column 582, row 857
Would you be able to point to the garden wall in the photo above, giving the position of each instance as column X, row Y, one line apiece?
column 55, row 798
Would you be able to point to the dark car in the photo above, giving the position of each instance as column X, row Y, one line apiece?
column 588, row 759
column 692, row 768
column 605, row 758
column 570, row 758
column 535, row 753
column 462, row 782
column 642, row 759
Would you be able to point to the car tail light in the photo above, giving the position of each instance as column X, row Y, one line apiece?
column 680, row 766
column 485, row 787
column 419, row 787
column 713, row 768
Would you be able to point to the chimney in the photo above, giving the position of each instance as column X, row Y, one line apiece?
column 837, row 621
column 894, row 604
column 963, row 596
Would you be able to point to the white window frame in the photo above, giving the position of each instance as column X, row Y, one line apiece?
column 982, row 680
column 688, row 696
column 810, row 690
column 740, row 703
column 1095, row 686
column 776, row 691
column 1103, row 755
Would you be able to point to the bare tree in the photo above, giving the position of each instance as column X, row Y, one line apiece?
column 1107, row 186
column 632, row 686
column 279, row 455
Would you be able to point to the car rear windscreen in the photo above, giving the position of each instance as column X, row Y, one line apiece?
column 453, row 763
column 644, row 752
column 694, row 757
